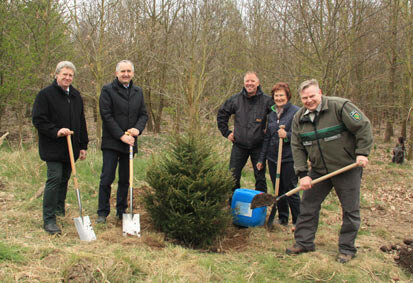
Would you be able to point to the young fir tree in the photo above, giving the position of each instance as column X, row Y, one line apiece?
column 190, row 192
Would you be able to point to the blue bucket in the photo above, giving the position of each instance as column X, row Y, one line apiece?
column 241, row 209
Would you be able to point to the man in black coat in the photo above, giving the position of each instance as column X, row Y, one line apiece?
column 58, row 110
column 122, row 109
column 250, row 108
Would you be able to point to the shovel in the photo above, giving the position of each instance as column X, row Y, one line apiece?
column 277, row 182
column 267, row 199
column 130, row 221
column 83, row 226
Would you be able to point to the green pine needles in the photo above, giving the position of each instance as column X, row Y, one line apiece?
column 189, row 201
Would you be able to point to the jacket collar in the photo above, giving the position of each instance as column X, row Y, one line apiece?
column 61, row 90
column 118, row 85
column 259, row 92
column 285, row 108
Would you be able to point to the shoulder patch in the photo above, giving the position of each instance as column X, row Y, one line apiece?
column 355, row 115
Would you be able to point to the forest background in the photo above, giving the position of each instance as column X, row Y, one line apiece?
column 190, row 55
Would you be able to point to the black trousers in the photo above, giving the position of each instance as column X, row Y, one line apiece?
column 111, row 159
column 239, row 157
column 54, row 196
column 288, row 181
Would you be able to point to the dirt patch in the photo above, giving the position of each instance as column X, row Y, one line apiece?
column 403, row 254
column 262, row 200
column 235, row 239
column 81, row 271
column 154, row 242
column 405, row 259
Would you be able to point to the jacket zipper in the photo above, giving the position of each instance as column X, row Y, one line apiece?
column 318, row 140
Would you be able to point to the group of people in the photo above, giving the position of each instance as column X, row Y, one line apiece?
column 58, row 111
column 327, row 132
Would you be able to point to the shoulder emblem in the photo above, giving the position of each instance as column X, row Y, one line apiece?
column 355, row 115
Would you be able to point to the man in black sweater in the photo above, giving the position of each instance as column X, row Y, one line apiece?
column 250, row 107
column 58, row 110
column 122, row 109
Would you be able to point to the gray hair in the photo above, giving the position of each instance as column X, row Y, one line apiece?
column 65, row 64
column 126, row 62
column 308, row 83
column 251, row 73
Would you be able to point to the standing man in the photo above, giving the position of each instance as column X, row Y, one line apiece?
column 332, row 133
column 250, row 108
column 122, row 109
column 58, row 110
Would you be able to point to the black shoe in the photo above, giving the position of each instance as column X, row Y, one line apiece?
column 282, row 222
column 52, row 228
column 101, row 219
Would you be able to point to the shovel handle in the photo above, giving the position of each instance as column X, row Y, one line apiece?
column 130, row 176
column 72, row 159
column 279, row 158
column 323, row 178
column 72, row 164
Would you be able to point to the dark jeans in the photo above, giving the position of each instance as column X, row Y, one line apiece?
column 58, row 175
column 347, row 187
column 239, row 157
column 288, row 181
column 111, row 158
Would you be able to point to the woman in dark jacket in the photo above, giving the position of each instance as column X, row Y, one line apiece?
column 282, row 114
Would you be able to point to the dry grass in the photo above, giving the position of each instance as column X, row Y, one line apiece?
column 246, row 255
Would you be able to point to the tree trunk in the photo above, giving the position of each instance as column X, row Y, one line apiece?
column 410, row 152
column 404, row 130
column 389, row 131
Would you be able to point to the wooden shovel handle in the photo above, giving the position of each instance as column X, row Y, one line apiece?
column 130, row 161
column 325, row 177
column 279, row 158
column 72, row 159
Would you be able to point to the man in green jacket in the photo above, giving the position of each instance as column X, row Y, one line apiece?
column 331, row 133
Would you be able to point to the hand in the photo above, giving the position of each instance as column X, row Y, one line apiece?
column 231, row 137
column 82, row 155
column 128, row 139
column 305, row 183
column 63, row 132
column 282, row 133
column 363, row 160
column 260, row 166
column 134, row 132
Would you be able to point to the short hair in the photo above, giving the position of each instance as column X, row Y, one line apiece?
column 281, row 86
column 126, row 62
column 308, row 83
column 65, row 64
column 251, row 73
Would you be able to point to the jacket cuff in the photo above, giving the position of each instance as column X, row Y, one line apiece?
column 303, row 174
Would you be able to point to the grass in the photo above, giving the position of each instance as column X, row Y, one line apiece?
column 28, row 254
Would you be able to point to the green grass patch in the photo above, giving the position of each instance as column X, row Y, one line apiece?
column 12, row 253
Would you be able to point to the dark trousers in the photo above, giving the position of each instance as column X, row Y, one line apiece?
column 288, row 181
column 111, row 158
column 347, row 187
column 239, row 157
column 58, row 175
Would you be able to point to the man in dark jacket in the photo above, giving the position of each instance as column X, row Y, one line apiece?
column 330, row 132
column 122, row 109
column 250, row 108
column 58, row 110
